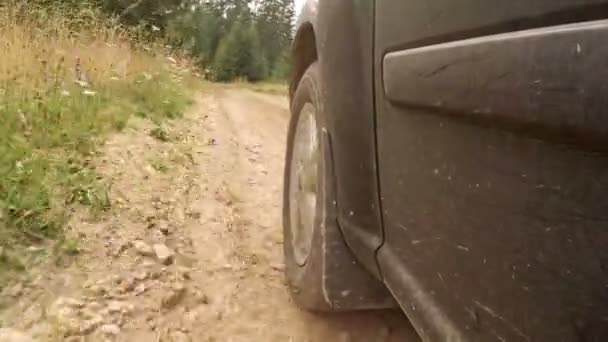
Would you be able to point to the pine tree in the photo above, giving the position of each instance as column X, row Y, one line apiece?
column 275, row 24
column 239, row 55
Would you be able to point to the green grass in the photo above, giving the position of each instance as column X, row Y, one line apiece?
column 67, row 81
column 47, row 142
column 272, row 88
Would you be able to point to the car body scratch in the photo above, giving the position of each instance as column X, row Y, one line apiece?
column 502, row 319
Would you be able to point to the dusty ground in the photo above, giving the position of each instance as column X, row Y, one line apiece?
column 211, row 194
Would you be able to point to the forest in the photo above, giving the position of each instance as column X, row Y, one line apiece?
column 228, row 39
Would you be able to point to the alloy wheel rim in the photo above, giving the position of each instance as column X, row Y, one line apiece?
column 304, row 183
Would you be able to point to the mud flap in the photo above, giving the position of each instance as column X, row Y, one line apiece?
column 346, row 284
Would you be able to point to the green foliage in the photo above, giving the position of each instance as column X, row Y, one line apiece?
column 155, row 13
column 274, row 24
column 198, row 32
column 282, row 66
column 239, row 55
column 213, row 31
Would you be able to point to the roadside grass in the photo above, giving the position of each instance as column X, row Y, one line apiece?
column 65, row 83
column 273, row 88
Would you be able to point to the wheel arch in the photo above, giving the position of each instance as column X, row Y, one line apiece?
column 304, row 54
column 338, row 34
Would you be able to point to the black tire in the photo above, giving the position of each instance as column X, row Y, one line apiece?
column 330, row 279
column 305, row 281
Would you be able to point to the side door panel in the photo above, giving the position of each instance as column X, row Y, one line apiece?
column 493, row 165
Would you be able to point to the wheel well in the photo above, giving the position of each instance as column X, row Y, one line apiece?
column 304, row 53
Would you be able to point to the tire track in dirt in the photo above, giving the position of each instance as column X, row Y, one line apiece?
column 259, row 123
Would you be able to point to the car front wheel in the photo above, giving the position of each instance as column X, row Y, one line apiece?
column 322, row 273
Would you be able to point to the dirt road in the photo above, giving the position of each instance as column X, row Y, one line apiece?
column 210, row 195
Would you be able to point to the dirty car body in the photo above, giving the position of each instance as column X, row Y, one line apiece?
column 469, row 144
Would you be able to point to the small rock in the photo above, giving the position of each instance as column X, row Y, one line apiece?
column 176, row 295
column 15, row 291
column 33, row 315
column 278, row 267
column 109, row 296
column 178, row 336
column 189, row 320
column 12, row 335
column 164, row 254
column 70, row 326
column 184, row 272
column 121, row 248
column 179, row 215
column 73, row 339
column 150, row 217
column 120, row 307
column 139, row 289
column 143, row 248
column 149, row 170
column 141, row 276
column 201, row 297
column 110, row 329
column 95, row 306
column 64, row 309
column 118, row 320
column 97, row 289
column 148, row 264
column 156, row 274
column 164, row 228
column 130, row 284
column 35, row 249
column 40, row 331
column 90, row 325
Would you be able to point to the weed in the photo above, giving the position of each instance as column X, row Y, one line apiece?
column 159, row 134
column 10, row 263
column 71, row 247
column 160, row 165
column 66, row 81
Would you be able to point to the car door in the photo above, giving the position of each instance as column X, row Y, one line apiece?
column 492, row 139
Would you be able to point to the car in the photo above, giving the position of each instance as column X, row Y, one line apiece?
column 450, row 158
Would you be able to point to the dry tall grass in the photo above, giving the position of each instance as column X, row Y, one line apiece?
column 66, row 79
